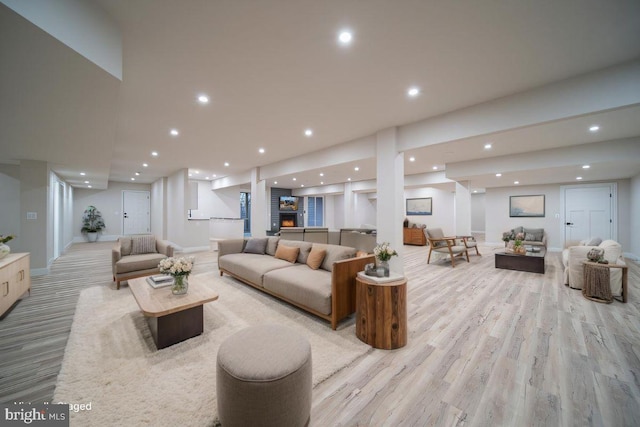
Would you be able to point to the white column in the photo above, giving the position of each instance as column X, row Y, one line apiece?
column 348, row 206
column 258, row 204
column 463, row 209
column 390, row 184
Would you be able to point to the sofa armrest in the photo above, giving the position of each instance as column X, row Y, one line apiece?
column 576, row 255
column 230, row 246
column 164, row 247
column 116, row 255
column 343, row 286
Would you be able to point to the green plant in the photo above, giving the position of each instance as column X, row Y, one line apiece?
column 92, row 220
column 5, row 239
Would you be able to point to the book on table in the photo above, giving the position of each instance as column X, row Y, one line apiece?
column 160, row 280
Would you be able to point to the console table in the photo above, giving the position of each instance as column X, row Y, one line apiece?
column 381, row 311
column 414, row 236
column 15, row 279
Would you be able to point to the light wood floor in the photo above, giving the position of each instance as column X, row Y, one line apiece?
column 486, row 347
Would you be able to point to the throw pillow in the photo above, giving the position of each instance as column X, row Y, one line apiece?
column 143, row 245
column 594, row 241
column 125, row 246
column 255, row 245
column 536, row 233
column 531, row 237
column 315, row 258
column 287, row 253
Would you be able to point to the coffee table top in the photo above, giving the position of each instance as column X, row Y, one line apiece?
column 160, row 302
column 541, row 254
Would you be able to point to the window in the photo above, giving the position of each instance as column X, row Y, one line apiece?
column 315, row 212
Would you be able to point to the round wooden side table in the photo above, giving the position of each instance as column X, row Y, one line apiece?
column 381, row 312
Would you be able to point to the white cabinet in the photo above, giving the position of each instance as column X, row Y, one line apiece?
column 15, row 279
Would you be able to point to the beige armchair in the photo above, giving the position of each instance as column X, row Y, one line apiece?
column 573, row 256
column 137, row 256
column 445, row 245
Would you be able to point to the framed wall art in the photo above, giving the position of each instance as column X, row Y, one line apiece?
column 526, row 206
column 419, row 206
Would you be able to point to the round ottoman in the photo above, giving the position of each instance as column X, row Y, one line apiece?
column 264, row 378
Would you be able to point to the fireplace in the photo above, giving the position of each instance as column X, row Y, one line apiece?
column 288, row 220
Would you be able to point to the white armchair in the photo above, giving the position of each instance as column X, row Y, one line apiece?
column 573, row 256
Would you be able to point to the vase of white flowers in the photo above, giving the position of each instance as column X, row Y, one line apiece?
column 4, row 248
column 179, row 268
column 383, row 253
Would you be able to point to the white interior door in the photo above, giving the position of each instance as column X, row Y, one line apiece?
column 589, row 212
column 136, row 206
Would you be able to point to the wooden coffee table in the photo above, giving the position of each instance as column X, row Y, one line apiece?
column 532, row 262
column 172, row 318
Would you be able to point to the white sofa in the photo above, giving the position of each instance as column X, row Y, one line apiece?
column 573, row 256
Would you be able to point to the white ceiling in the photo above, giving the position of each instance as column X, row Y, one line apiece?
column 273, row 69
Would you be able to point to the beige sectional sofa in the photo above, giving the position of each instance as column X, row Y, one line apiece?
column 328, row 291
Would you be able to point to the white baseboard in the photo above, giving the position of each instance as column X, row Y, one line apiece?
column 102, row 237
column 193, row 249
column 39, row 271
column 632, row 257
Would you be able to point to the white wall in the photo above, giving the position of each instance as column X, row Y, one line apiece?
column 10, row 205
column 364, row 209
column 338, row 212
column 478, row 213
column 442, row 207
column 634, row 221
column 225, row 202
column 159, row 208
column 108, row 202
column 206, row 200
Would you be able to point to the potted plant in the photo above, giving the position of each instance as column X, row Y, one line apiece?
column 5, row 249
column 92, row 223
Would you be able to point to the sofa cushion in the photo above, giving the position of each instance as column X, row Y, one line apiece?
column 314, row 261
column 534, row 234
column 272, row 245
column 251, row 267
column 335, row 253
column 287, row 253
column 143, row 244
column 593, row 241
column 139, row 262
column 255, row 245
column 299, row 283
column 125, row 245
column 305, row 248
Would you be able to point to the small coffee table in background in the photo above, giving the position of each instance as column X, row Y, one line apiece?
column 532, row 262
column 173, row 318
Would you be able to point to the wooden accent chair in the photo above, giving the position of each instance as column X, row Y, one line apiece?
column 445, row 245
column 470, row 243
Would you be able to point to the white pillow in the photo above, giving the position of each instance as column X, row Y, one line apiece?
column 594, row 241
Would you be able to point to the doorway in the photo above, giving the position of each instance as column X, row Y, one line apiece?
column 245, row 211
column 589, row 211
column 136, row 209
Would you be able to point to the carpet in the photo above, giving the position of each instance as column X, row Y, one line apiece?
column 112, row 364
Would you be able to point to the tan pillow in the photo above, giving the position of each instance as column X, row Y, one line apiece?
column 316, row 256
column 143, row 245
column 287, row 253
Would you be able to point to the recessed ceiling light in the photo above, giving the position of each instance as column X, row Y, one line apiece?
column 412, row 159
column 348, row 179
column 498, row 175
column 275, row 182
column 214, row 175
column 578, row 178
column 516, row 182
column 301, row 185
column 154, row 153
column 435, row 168
column 190, row 174
column 261, row 150
column 356, row 169
column 321, row 173
column 594, row 128
column 206, row 177
column 144, row 165
column 308, row 132
column 174, row 132
column 321, row 182
column 88, row 186
column 203, row 99
column 475, row 191
column 295, row 179
column 345, row 37
column 586, row 166
column 226, row 164
column 413, row 92
column 82, row 174
column 487, row 146
column 137, row 173
column 133, row 179
column 196, row 172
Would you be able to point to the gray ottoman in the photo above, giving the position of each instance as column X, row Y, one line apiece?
column 264, row 378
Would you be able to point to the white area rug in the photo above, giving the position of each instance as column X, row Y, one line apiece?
column 112, row 363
